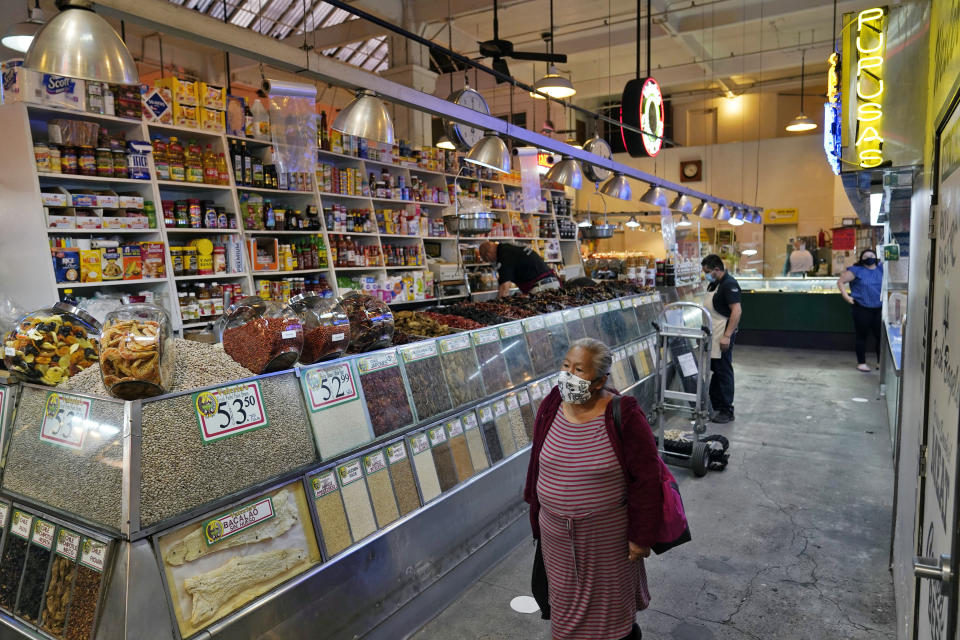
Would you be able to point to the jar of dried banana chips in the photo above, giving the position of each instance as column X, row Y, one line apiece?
column 49, row 345
column 136, row 352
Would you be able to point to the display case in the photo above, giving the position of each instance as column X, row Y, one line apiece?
column 788, row 285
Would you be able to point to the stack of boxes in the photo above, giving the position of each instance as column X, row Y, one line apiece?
column 192, row 104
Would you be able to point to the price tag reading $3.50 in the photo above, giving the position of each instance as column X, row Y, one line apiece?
column 329, row 386
column 230, row 410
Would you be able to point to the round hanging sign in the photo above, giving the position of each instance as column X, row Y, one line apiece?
column 641, row 106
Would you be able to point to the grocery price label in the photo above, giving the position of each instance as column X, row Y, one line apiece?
column 454, row 427
column 93, row 554
column 289, row 334
column 323, row 484
column 523, row 397
column 329, row 386
column 229, row 411
column 512, row 403
column 485, row 336
column 377, row 362
column 625, row 303
column 438, row 435
column 43, row 533
column 65, row 420
column 419, row 351
column 396, row 453
column 499, row 408
column 455, row 343
column 601, row 307
column 9, row 351
column 511, row 330
column 228, row 524
column 555, row 319
column 535, row 391
column 656, row 296
column 571, row 315
column 419, row 443
column 21, row 524
column 374, row 462
column 68, row 544
column 470, row 421
column 486, row 413
column 349, row 472
column 621, row 354
column 534, row 323
column 337, row 337
column 587, row 312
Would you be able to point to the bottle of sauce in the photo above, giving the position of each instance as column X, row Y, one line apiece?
column 211, row 174
column 160, row 159
column 178, row 170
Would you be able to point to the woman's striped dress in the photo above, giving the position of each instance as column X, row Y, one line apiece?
column 595, row 591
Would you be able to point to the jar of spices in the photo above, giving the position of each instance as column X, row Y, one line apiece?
column 54, row 151
column 136, row 358
column 176, row 257
column 119, row 163
column 261, row 335
column 68, row 160
column 41, row 154
column 104, row 162
column 189, row 261
column 371, row 322
column 87, row 161
column 326, row 327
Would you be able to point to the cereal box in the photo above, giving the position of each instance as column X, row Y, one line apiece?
column 157, row 105
column 184, row 92
column 90, row 265
column 212, row 120
column 111, row 264
column 154, row 265
column 185, row 116
column 132, row 262
column 212, row 96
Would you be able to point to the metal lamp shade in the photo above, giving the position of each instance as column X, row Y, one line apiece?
column 598, row 231
column 682, row 204
column 723, row 213
column 469, row 224
column 567, row 172
column 365, row 117
column 704, row 210
column 736, row 218
column 445, row 143
column 78, row 43
column 617, row 187
column 490, row 152
column 684, row 221
column 801, row 123
column 655, row 196
column 20, row 36
column 632, row 222
column 554, row 85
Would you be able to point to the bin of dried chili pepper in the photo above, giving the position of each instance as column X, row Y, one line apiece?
column 261, row 335
column 326, row 327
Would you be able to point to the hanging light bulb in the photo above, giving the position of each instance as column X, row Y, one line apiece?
column 567, row 172
column 365, row 117
column 682, row 204
column 802, row 122
column 704, row 210
column 20, row 35
column 617, row 186
column 632, row 222
column 684, row 221
column 490, row 152
column 445, row 143
column 655, row 196
column 554, row 85
column 586, row 222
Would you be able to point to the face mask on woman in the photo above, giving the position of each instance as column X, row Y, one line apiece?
column 573, row 389
column 869, row 261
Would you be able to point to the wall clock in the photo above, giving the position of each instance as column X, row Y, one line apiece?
column 600, row 147
column 691, row 171
column 465, row 136
column 641, row 106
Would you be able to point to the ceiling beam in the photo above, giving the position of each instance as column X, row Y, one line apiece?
column 341, row 34
column 431, row 11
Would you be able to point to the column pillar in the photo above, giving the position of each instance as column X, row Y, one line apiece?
column 410, row 66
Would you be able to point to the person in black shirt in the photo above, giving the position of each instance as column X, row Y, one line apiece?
column 519, row 266
column 723, row 302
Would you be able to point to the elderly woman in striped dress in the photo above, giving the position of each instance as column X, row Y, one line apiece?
column 595, row 501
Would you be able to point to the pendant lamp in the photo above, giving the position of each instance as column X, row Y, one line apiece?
column 682, row 204
column 78, row 43
column 736, row 218
column 723, row 213
column 365, row 117
column 684, row 221
column 490, row 152
column 567, row 172
column 802, row 122
column 445, row 143
column 20, row 35
column 655, row 196
column 617, row 186
column 704, row 210
column 586, row 222
column 554, row 85
column 632, row 222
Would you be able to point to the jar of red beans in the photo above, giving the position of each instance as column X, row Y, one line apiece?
column 261, row 335
column 326, row 327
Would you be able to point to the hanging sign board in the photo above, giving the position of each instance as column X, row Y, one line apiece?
column 781, row 216
column 864, row 46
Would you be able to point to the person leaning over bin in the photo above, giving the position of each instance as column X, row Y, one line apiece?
column 723, row 302
column 519, row 266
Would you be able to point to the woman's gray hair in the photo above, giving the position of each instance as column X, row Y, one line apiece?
column 602, row 356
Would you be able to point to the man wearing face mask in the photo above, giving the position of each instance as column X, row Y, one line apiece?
column 723, row 302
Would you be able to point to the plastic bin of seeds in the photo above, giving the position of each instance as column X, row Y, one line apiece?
column 428, row 387
column 475, row 445
column 536, row 396
column 526, row 412
column 501, row 419
column 425, row 467
column 559, row 340
column 381, row 489
column 63, row 572
column 612, row 324
column 460, row 369
column 591, row 325
column 136, row 352
column 384, row 391
column 86, row 589
column 35, row 570
column 517, row 428
column 539, row 345
column 261, row 335
column 371, row 322
column 356, row 499
column 49, row 345
column 326, row 327
column 573, row 324
column 493, row 366
column 337, row 416
column 629, row 318
column 14, row 557
column 331, row 513
column 459, row 449
column 442, row 457
column 401, row 475
column 513, row 346
column 490, row 436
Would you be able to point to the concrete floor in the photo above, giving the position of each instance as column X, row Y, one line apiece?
column 790, row 542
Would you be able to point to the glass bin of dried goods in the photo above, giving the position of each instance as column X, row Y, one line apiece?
column 261, row 335
column 326, row 327
column 136, row 352
column 49, row 345
column 371, row 322
column 428, row 387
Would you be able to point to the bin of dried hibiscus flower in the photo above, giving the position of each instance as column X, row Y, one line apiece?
column 261, row 335
column 326, row 327
column 136, row 352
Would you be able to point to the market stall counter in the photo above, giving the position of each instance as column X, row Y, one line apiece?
column 805, row 313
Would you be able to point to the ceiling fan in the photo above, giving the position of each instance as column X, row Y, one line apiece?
column 499, row 49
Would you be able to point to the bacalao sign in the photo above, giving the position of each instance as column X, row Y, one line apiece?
column 863, row 77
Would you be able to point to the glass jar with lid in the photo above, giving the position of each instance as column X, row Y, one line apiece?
column 261, row 335
column 49, row 345
column 136, row 352
column 326, row 327
column 371, row 322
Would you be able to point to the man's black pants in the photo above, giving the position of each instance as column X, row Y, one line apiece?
column 721, row 380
